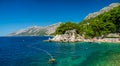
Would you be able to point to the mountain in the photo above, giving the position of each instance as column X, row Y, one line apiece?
column 97, row 25
column 103, row 22
column 103, row 10
column 36, row 30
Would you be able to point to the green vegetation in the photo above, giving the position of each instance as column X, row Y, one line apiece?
column 66, row 26
column 100, row 26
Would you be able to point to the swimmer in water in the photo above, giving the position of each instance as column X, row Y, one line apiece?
column 52, row 60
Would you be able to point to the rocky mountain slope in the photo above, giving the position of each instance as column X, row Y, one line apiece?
column 36, row 30
column 103, row 10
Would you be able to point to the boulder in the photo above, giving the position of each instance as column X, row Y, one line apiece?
column 68, row 36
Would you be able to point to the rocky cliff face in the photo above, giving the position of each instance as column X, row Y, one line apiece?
column 103, row 10
column 36, row 31
column 68, row 36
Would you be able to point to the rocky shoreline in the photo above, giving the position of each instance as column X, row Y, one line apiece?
column 111, row 40
column 68, row 36
column 72, row 36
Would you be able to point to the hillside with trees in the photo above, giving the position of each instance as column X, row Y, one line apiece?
column 99, row 26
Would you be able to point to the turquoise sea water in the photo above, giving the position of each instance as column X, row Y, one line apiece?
column 31, row 51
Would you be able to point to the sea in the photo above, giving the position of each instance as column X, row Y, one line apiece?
column 34, row 51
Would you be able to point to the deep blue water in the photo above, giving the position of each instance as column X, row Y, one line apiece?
column 29, row 51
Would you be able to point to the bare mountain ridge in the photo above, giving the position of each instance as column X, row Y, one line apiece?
column 103, row 10
column 36, row 30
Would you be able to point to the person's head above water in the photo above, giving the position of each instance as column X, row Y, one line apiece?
column 51, row 60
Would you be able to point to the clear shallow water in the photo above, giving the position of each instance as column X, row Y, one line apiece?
column 24, row 51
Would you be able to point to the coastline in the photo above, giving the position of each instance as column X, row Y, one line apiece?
column 89, row 40
column 72, row 36
column 106, row 40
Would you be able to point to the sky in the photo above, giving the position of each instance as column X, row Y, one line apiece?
column 19, row 14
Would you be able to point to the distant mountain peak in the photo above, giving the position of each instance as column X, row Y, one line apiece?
column 103, row 10
column 36, row 30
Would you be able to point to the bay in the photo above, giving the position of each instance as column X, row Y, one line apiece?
column 33, row 51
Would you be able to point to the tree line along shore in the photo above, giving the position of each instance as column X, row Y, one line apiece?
column 95, row 29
